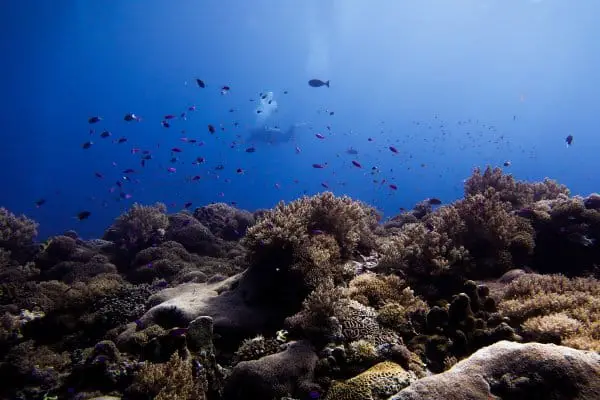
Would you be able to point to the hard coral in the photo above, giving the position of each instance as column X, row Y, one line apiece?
column 377, row 383
column 475, row 238
column 287, row 373
column 173, row 380
column 376, row 290
column 224, row 221
column 193, row 235
column 16, row 232
column 554, row 308
column 312, row 234
column 567, row 234
column 517, row 193
column 140, row 227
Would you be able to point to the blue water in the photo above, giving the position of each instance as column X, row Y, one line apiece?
column 451, row 84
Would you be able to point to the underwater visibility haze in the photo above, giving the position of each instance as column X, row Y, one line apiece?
column 299, row 200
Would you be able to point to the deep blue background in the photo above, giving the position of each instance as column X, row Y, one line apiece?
column 451, row 84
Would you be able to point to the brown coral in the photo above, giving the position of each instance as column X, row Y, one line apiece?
column 173, row 380
column 555, row 308
column 517, row 193
column 312, row 234
column 140, row 227
column 16, row 232
column 377, row 383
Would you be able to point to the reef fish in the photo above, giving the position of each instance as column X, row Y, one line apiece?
column 318, row 83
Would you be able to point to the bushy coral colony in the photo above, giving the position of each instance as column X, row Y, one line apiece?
column 317, row 298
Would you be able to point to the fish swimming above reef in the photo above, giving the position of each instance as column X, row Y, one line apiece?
column 272, row 135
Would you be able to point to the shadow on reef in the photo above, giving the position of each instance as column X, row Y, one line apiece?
column 312, row 299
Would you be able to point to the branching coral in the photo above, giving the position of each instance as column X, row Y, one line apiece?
column 376, row 290
column 474, row 238
column 555, row 308
column 140, row 227
column 173, row 380
column 567, row 233
column 16, row 232
column 225, row 221
column 517, row 193
column 312, row 234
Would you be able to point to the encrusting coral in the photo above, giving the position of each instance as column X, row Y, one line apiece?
column 377, row 383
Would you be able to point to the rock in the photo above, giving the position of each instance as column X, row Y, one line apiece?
column 509, row 370
column 289, row 372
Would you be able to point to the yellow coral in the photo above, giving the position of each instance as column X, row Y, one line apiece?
column 378, row 382
column 172, row 380
column 555, row 304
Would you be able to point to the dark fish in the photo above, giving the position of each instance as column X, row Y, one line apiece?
column 176, row 150
column 187, row 204
column 178, row 331
column 105, row 134
column 319, row 136
column 393, row 187
column 121, row 140
column 87, row 145
column 318, row 83
column 165, row 124
column 169, row 116
column 94, row 120
column 251, row 149
column 129, row 171
column 98, row 175
column 131, row 117
column 225, row 89
column 356, row 164
column 83, row 215
column 200, row 83
column 319, row 166
column 40, row 202
column 569, row 140
column 506, row 163
column 211, row 128
column 393, row 149
column 434, row 201
column 352, row 151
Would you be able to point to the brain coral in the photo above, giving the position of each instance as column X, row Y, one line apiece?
column 377, row 383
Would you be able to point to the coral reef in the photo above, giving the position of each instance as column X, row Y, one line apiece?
column 313, row 235
column 508, row 370
column 377, row 383
column 288, row 373
column 224, row 221
column 555, row 309
column 173, row 380
column 140, row 227
column 517, row 193
column 312, row 299
column 17, row 233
